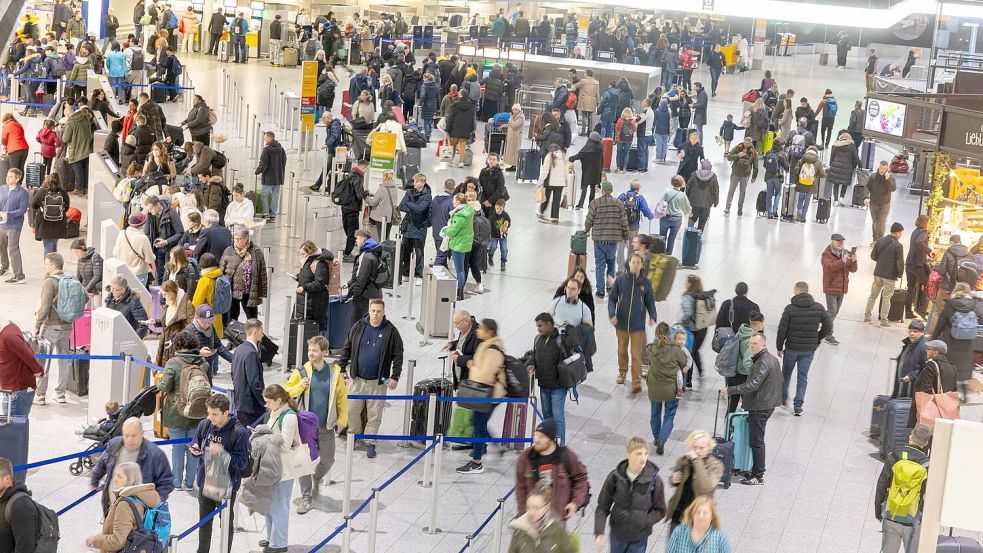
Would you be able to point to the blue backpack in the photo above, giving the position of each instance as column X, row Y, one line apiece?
column 831, row 106
column 222, row 300
column 176, row 66
column 71, row 299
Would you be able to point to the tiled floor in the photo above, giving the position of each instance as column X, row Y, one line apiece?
column 818, row 493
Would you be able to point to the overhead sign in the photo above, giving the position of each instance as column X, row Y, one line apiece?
column 383, row 158
column 963, row 133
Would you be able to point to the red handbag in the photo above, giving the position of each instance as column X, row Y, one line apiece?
column 940, row 405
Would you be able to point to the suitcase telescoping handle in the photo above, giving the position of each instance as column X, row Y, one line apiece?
column 6, row 406
column 716, row 413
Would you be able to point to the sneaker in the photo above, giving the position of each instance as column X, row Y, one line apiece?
column 304, row 506
column 599, row 294
column 348, row 258
column 370, row 451
column 462, row 447
column 491, row 260
column 460, row 165
column 38, row 400
column 471, row 468
column 885, row 323
column 3, row 270
column 753, row 481
column 60, row 398
column 314, row 188
column 503, row 266
column 621, row 379
column 740, row 212
column 797, row 412
column 480, row 289
column 726, row 212
column 784, row 404
column 660, row 449
column 359, row 445
column 866, row 318
column 636, row 388
column 264, row 544
column 831, row 341
column 15, row 280
column 418, row 281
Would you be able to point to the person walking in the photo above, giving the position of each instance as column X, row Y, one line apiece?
column 631, row 299
column 636, row 207
column 888, row 255
column 677, row 207
column 247, row 374
column 837, row 265
column 807, row 174
column 666, row 361
column 690, row 154
column 694, row 293
column 703, row 192
column 697, row 473
column 374, row 349
column 591, row 158
column 14, row 203
column 272, row 168
column 744, row 166
column 880, row 186
column 917, row 270
column 553, row 178
column 700, row 530
column 607, row 224
column 131, row 446
column 898, row 529
column 460, row 124
column 486, row 367
column 548, row 350
column 557, row 467
column 633, row 499
column 295, row 462
column 131, row 500
column 804, row 324
column 537, row 529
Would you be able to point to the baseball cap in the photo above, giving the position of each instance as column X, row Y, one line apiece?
column 205, row 313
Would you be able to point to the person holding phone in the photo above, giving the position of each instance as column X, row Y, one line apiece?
column 837, row 263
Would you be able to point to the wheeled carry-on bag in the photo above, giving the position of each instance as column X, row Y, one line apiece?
column 33, row 172
column 515, row 425
column 958, row 544
column 339, row 322
column 737, row 432
column 724, row 448
column 692, row 247
column 859, row 197
column 438, row 387
column 760, row 204
column 607, row 149
column 789, row 197
column 822, row 210
column 878, row 412
column 299, row 326
column 895, row 431
column 528, row 169
column 15, row 434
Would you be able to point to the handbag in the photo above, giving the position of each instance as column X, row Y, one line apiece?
column 539, row 195
column 573, row 370
column 462, row 425
column 941, row 405
column 470, row 389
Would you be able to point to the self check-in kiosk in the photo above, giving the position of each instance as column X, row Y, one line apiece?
column 115, row 380
column 101, row 204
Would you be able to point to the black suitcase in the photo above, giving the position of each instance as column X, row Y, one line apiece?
column 388, row 248
column 957, row 544
column 760, row 205
column 724, row 450
column 789, row 197
column 632, row 163
column 307, row 328
column 14, row 439
column 822, row 210
column 267, row 350
column 495, row 142
column 439, row 387
column 33, row 172
column 235, row 334
column 78, row 381
column 895, row 431
column 528, row 169
column 157, row 94
column 859, row 197
column 896, row 311
column 72, row 228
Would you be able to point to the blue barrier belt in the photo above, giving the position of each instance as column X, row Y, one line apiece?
column 87, row 453
column 78, row 501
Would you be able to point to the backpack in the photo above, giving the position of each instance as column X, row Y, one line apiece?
column 516, row 376
column 963, row 325
column 212, row 116
column 729, row 353
column 565, row 460
column 578, row 243
column 798, row 145
column 172, row 21
column 966, row 271
column 627, row 133
column 193, row 391
column 750, row 96
column 307, row 427
column 53, row 208
column 48, row 534
column 831, row 107
column 158, row 521
column 706, row 311
column 807, row 175
column 194, row 275
column 772, row 162
column 176, row 67
column 136, row 61
column 58, row 68
column 383, row 269
column 632, row 212
column 222, row 299
column 571, row 102
column 344, row 194
column 71, row 299
column 141, row 538
column 905, row 492
column 219, row 160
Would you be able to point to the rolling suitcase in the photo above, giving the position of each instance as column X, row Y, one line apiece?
column 859, row 198
column 158, row 94
column 881, row 402
column 760, row 204
column 632, row 163
column 33, row 172
column 822, row 210
column 896, row 311
column 575, row 261
column 823, row 59
column 515, row 425
column 789, row 197
column 78, row 379
column 724, row 449
column 346, row 105
column 15, row 434
column 223, row 51
column 388, row 248
column 418, row 421
column 235, row 334
column 299, row 326
column 895, row 431
column 339, row 322
column 867, row 152
column 607, row 145
column 528, row 169
column 958, row 544
column 289, row 57
column 81, row 331
column 692, row 247
column 737, row 433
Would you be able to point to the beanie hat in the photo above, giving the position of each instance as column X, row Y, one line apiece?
column 137, row 219
column 548, row 428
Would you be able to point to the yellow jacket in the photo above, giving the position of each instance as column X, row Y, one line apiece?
column 205, row 295
column 338, row 401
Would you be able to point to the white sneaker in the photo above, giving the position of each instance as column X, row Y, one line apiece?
column 60, row 398
column 418, row 281
column 480, row 289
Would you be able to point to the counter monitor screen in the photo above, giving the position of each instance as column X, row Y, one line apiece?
column 605, row 56
column 559, row 51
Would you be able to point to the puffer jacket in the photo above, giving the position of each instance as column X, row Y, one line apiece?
column 842, row 161
column 416, row 208
column 591, row 157
column 662, row 120
column 702, row 189
column 133, row 311
column 203, row 162
column 215, row 194
column 89, row 271
column 631, row 298
column 763, row 388
column 960, row 352
column 811, row 156
column 609, row 105
column 119, row 522
column 633, row 506
column 545, row 358
column 888, row 253
column 197, row 120
column 460, row 121
column 487, row 365
column 256, row 493
column 429, row 99
column 313, row 278
column 493, row 87
column 836, row 271
column 665, row 362
column 230, row 265
column 950, row 262
column 803, row 325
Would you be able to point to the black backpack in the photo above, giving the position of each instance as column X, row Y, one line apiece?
column 47, row 522
column 632, row 211
column 344, row 194
column 141, row 539
column 516, row 376
column 383, row 269
column 219, row 160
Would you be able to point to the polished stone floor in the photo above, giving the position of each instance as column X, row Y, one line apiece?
column 817, row 497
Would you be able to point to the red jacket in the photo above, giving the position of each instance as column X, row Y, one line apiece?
column 567, row 488
column 49, row 141
column 836, row 272
column 18, row 367
column 12, row 137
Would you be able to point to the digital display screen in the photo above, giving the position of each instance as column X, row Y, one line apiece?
column 885, row 117
column 605, row 56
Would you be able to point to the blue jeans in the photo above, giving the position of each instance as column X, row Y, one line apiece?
column 442, row 256
column 20, row 403
column 643, row 152
column 461, row 268
column 661, row 145
column 669, row 228
column 480, row 423
column 620, row 546
column 714, row 79
column 623, row 148
column 662, row 426
column 271, row 198
column 181, row 459
column 605, row 259
column 278, row 517
column 50, row 245
column 773, row 200
column 239, row 49
column 552, row 400
column 495, row 243
column 802, row 204
column 427, row 127
column 607, row 128
column 789, row 361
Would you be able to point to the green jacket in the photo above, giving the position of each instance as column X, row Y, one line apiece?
column 80, row 69
column 810, row 157
column 78, row 136
column 170, row 385
column 742, row 167
column 744, row 360
column 665, row 362
column 460, row 229
column 552, row 539
column 498, row 27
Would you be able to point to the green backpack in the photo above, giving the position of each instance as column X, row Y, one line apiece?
column 906, row 490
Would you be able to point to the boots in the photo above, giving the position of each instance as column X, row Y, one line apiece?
column 460, row 294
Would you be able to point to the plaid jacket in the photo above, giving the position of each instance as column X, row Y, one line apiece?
column 606, row 220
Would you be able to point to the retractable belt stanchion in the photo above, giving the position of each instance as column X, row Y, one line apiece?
column 225, row 517
column 410, row 284
column 255, row 128
column 499, row 523
column 284, row 208
column 269, row 95
column 286, row 320
column 307, row 206
column 408, row 405
column 373, row 518
column 397, row 263
column 346, row 502
column 435, row 495
column 269, row 278
column 346, row 536
column 294, row 198
column 431, row 424
column 225, row 95
column 127, row 366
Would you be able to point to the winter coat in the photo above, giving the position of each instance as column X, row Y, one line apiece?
column 78, row 135
column 49, row 141
column 743, row 166
column 513, row 139
column 665, row 362
column 487, row 365
column 203, row 164
column 691, row 156
column 606, row 220
column 880, row 187
column 811, row 156
column 257, row 491
column 154, row 468
column 927, row 381
column 231, row 265
column 383, row 203
column 174, row 319
column 704, row 475
column 950, row 262
column 960, row 352
column 703, row 190
column 662, row 120
column 215, row 193
column 742, row 312
column 633, row 506
column 491, row 183
column 337, row 410
column 910, row 360
column 803, row 325
column 440, row 214
column 888, row 253
column 609, row 105
column 618, row 128
column 197, row 120
column 119, row 522
column 133, row 248
column 416, row 207
column 460, row 229
column 570, row 484
column 591, row 158
column 170, row 385
column 836, row 271
column 763, row 388
column 362, row 283
column 588, row 92
column 913, row 453
column 700, row 104
column 918, row 252
column 493, row 89
column 391, row 359
column 133, row 311
column 631, row 298
column 44, row 229
column 429, row 99
column 552, row 538
column 205, row 294
column 89, row 271
column 313, row 278
column 460, row 121
column 842, row 162
column 272, row 164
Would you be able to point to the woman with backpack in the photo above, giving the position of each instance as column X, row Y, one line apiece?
column 184, row 356
column 677, row 207
column 131, row 499
column 694, row 292
column 49, row 203
column 178, row 269
column 624, row 136
column 960, row 350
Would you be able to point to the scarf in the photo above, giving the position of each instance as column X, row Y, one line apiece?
column 173, row 308
column 244, row 251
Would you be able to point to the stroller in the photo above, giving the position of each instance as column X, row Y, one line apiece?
column 142, row 405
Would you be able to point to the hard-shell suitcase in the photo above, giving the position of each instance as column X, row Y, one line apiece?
column 895, row 431
column 438, row 387
column 81, row 331
column 235, row 334
column 692, row 247
column 958, row 544
column 495, row 142
column 528, row 169
column 339, row 322
column 223, row 51
column 15, row 432
column 289, row 57
column 822, row 210
column 468, row 157
column 33, row 172
column 761, row 204
column 158, row 94
column 859, row 197
column 388, row 247
column 307, row 329
column 789, row 197
column 632, row 163
column 78, row 379
column 737, row 432
column 607, row 147
column 724, row 449
column 823, row 59
column 877, row 414
column 867, row 152
column 575, row 261
column 515, row 425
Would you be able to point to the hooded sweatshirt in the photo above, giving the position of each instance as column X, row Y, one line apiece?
column 236, row 446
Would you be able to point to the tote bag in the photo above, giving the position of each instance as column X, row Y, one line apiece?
column 940, row 405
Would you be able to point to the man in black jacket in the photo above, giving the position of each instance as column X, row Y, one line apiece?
column 362, row 287
column 211, row 345
column 464, row 347
column 901, row 532
column 888, row 253
column 247, row 374
column 634, row 498
column 163, row 229
column 544, row 360
column 805, row 323
column 19, row 532
column 737, row 311
column 491, row 183
column 375, row 350
column 272, row 169
column 349, row 195
column 216, row 26
column 213, row 238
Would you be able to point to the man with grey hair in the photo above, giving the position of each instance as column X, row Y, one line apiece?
column 122, row 299
column 130, row 447
column 214, row 238
column 899, row 529
column 49, row 325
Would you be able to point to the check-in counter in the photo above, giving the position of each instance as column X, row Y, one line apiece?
column 544, row 70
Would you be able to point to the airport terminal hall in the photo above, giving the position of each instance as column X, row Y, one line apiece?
column 482, row 276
